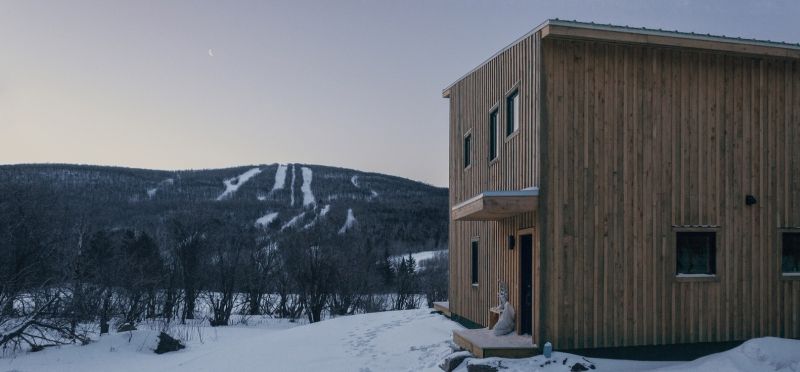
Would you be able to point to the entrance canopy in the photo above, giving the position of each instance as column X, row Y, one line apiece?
column 496, row 205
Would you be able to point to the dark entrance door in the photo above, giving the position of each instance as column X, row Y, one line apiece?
column 526, row 284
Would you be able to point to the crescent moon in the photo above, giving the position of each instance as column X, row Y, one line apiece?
column 211, row 52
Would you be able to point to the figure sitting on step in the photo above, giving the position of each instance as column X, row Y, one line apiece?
column 505, row 324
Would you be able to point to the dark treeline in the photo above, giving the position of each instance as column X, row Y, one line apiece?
column 61, row 269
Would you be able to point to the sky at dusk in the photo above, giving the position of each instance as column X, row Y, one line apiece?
column 210, row 84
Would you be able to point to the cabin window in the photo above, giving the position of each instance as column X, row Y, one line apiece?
column 474, row 262
column 790, row 253
column 467, row 150
column 493, row 135
column 696, row 253
column 512, row 113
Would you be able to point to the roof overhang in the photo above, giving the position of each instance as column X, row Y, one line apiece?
column 625, row 34
column 496, row 205
column 610, row 33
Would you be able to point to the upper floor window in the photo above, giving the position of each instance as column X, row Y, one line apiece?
column 696, row 252
column 467, row 150
column 493, row 135
column 790, row 253
column 512, row 112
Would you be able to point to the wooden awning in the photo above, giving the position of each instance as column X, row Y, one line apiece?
column 496, row 205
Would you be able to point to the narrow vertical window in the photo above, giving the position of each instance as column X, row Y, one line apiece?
column 467, row 150
column 493, row 135
column 696, row 253
column 474, row 262
column 790, row 254
column 512, row 113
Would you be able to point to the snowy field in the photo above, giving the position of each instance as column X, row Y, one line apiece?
column 411, row 340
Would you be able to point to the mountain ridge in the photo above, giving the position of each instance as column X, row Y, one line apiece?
column 400, row 214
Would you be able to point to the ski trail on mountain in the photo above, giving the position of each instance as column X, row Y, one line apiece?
column 348, row 224
column 266, row 219
column 291, row 186
column 233, row 184
column 280, row 177
column 308, row 196
column 293, row 221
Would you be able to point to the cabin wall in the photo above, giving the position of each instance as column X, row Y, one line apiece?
column 639, row 139
column 516, row 167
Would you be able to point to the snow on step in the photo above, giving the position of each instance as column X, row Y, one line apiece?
column 267, row 219
column 233, row 184
column 308, row 196
column 354, row 181
column 325, row 210
column 280, row 177
column 348, row 224
column 293, row 221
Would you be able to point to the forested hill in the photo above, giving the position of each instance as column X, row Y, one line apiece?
column 277, row 201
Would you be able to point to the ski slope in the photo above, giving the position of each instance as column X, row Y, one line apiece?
column 280, row 177
column 233, row 184
column 308, row 196
column 348, row 224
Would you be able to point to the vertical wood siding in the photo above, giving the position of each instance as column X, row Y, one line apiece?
column 516, row 167
column 640, row 139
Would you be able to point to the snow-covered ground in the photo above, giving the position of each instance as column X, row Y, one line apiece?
column 308, row 196
column 348, row 224
column 410, row 340
column 324, row 211
column 280, row 177
column 233, row 184
column 420, row 256
column 266, row 219
column 151, row 193
column 293, row 221
column 291, row 187
column 756, row 355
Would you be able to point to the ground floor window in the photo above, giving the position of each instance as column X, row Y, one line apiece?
column 696, row 252
column 474, row 247
column 790, row 253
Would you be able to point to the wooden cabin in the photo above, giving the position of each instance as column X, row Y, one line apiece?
column 631, row 186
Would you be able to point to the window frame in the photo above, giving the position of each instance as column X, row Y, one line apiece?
column 515, row 91
column 475, row 253
column 467, row 151
column 715, row 255
column 781, row 234
column 494, row 111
